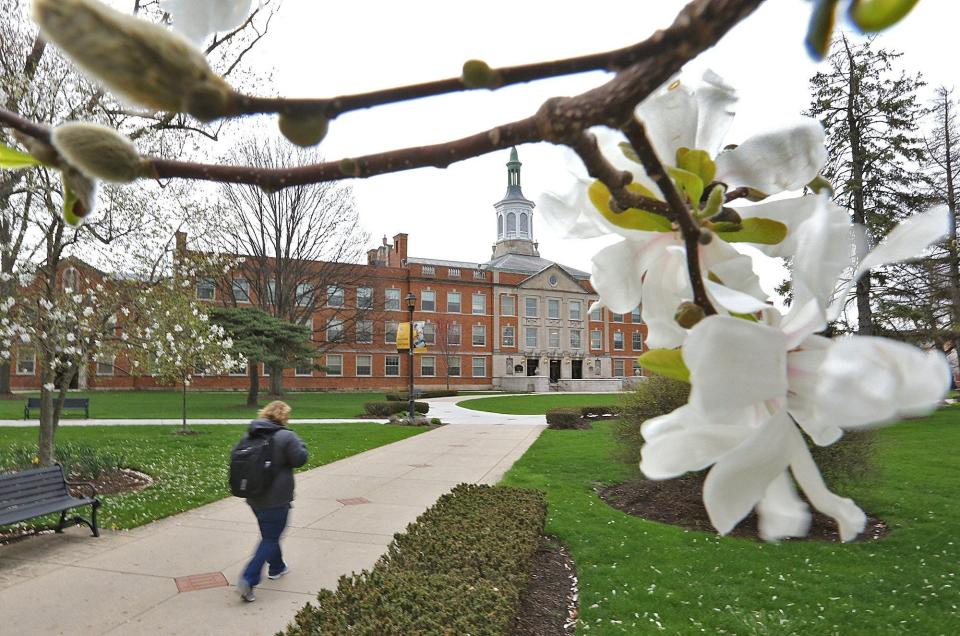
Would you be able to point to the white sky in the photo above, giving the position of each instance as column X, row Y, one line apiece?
column 323, row 49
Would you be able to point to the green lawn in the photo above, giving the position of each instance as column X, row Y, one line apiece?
column 200, row 404
column 538, row 404
column 191, row 470
column 639, row 577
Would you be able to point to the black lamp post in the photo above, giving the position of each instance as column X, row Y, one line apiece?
column 411, row 305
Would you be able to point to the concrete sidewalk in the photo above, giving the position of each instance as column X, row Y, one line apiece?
column 178, row 422
column 345, row 514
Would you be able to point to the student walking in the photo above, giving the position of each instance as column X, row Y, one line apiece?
column 277, row 451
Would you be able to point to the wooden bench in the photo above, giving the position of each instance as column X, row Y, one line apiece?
column 43, row 491
column 68, row 403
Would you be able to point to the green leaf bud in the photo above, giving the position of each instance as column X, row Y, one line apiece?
column 705, row 236
column 478, row 74
column 141, row 62
column 303, row 129
column 688, row 314
column 714, row 203
column 97, row 151
column 820, row 183
column 820, row 30
column 349, row 167
column 666, row 362
column 79, row 195
column 871, row 16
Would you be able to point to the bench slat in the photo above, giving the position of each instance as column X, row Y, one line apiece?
column 13, row 515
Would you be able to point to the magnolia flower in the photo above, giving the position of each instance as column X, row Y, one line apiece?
column 49, row 386
column 649, row 263
column 755, row 386
column 197, row 20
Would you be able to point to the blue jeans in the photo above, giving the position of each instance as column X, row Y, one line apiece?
column 272, row 523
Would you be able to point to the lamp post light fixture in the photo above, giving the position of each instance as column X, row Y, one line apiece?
column 411, row 305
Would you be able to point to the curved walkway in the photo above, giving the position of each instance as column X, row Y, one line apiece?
column 447, row 409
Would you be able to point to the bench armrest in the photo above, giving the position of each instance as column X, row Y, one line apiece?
column 87, row 484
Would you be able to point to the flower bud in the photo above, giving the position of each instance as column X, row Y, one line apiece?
column 97, row 151
column 714, row 202
column 140, row 61
column 303, row 129
column 705, row 236
column 79, row 195
column 349, row 167
column 478, row 74
column 614, row 205
column 688, row 314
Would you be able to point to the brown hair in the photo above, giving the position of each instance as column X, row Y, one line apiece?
column 276, row 411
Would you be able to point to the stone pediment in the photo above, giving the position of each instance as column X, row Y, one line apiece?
column 553, row 278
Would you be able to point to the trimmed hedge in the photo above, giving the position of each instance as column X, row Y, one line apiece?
column 564, row 417
column 600, row 411
column 459, row 569
column 433, row 393
column 386, row 409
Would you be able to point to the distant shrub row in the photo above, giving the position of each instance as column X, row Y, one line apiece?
column 386, row 409
column 575, row 417
column 420, row 395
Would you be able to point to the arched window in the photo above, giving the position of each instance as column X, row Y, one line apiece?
column 70, row 283
column 511, row 224
column 499, row 226
column 524, row 231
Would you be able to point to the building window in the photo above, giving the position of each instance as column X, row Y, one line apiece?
column 70, row 282
column 391, row 365
column 553, row 338
column 304, row 369
column 596, row 312
column 509, row 364
column 428, row 300
column 530, row 338
column 241, row 290
column 391, row 299
column 305, row 296
column 636, row 370
column 364, row 331
column 531, row 307
column 524, row 228
column 575, row 308
column 453, row 366
column 553, row 308
column 479, row 367
column 429, row 333
column 575, row 339
column 508, row 305
column 334, row 295
column 479, row 335
column 618, row 341
column 453, row 302
column 206, row 289
column 453, row 272
column 477, row 274
column 334, row 364
column 596, row 338
column 617, row 318
column 479, row 304
column 635, row 315
column 637, row 341
column 390, row 332
column 509, row 336
column 272, row 292
column 365, row 297
column 364, row 365
column 105, row 365
column 428, row 270
column 26, row 361
column 453, row 334
column 511, row 224
column 335, row 331
column 428, row 366
column 618, row 368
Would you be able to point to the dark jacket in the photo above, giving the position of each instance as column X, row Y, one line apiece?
column 288, row 453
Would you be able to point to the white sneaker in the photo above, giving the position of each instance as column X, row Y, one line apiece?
column 285, row 569
column 246, row 591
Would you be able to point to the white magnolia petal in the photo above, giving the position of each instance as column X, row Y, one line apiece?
column 571, row 214
column 791, row 212
column 802, row 320
column 733, row 268
column 734, row 364
column 908, row 239
column 665, row 287
column 784, row 159
column 822, row 251
column 803, row 374
column 850, row 519
column 868, row 380
column 197, row 19
column 682, row 441
column 781, row 513
column 715, row 100
column 670, row 116
column 739, row 480
column 733, row 300
column 617, row 275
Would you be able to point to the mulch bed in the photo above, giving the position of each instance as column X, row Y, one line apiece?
column 550, row 604
column 679, row 502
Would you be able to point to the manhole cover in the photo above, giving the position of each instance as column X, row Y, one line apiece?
column 196, row 582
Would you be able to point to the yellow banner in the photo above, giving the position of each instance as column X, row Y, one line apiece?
column 403, row 337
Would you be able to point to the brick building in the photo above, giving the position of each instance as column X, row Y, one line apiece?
column 517, row 321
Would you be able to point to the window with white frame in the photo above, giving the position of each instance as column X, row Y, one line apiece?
column 391, row 299
column 453, row 302
column 365, row 297
column 575, row 310
column 453, row 272
column 635, row 315
column 364, row 365
column 617, row 318
column 575, row 342
column 553, row 308
column 241, row 290
column 618, row 368
column 453, row 366
column 364, row 331
column 428, row 366
column 335, row 331
column 428, row 270
column 479, row 369
column 531, row 307
column 105, row 365
column 479, row 304
column 334, row 295
column 596, row 312
column 304, row 369
column 453, row 334
column 429, row 333
column 391, row 365
column 637, row 341
column 390, row 331
column 553, row 338
column 428, row 300
column 530, row 338
column 596, row 338
column 508, row 305
column 26, row 361
column 272, row 292
column 618, row 341
column 478, row 274
column 206, row 288
column 305, row 296
column 479, row 338
column 334, row 364
column 509, row 336
column 637, row 369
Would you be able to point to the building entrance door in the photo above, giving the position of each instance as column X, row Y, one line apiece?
column 576, row 369
column 533, row 365
column 554, row 370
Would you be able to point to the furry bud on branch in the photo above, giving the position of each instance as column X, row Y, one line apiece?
column 140, row 61
column 303, row 129
column 97, row 151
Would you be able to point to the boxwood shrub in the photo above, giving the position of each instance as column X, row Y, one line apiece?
column 564, row 417
column 386, row 409
column 460, row 568
column 432, row 393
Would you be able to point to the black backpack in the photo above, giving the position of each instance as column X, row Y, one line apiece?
column 251, row 465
